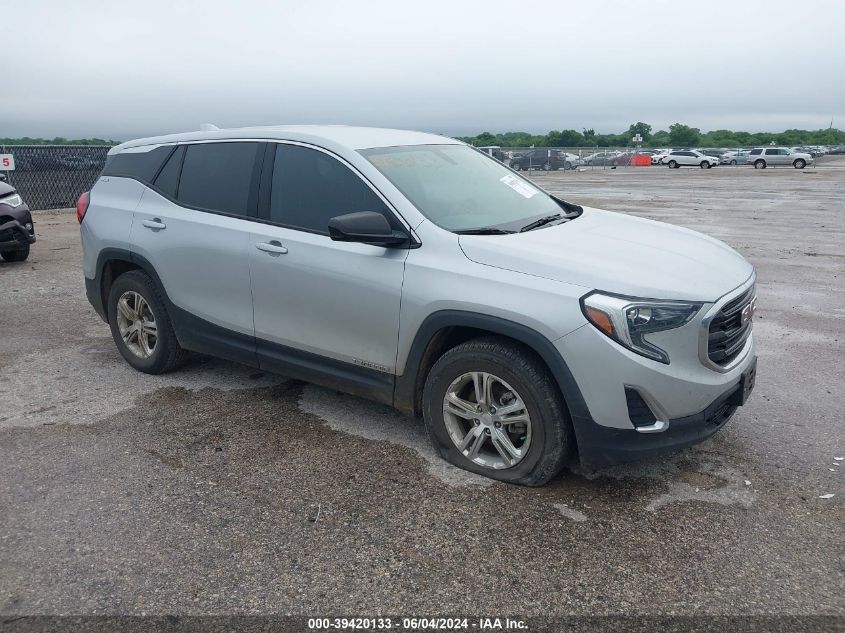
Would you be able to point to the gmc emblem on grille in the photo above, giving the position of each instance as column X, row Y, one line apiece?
column 748, row 311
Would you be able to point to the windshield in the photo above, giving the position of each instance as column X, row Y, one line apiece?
column 461, row 189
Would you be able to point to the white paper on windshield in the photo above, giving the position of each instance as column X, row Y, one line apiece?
column 520, row 186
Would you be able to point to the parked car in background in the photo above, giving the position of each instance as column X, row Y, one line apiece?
column 838, row 150
column 543, row 158
column 733, row 158
column 659, row 156
column 571, row 161
column 601, row 158
column 716, row 153
column 762, row 157
column 493, row 150
column 515, row 323
column 17, row 230
column 690, row 158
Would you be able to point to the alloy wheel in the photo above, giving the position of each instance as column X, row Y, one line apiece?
column 487, row 420
column 136, row 323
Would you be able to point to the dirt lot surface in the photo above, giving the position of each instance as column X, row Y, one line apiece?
column 220, row 489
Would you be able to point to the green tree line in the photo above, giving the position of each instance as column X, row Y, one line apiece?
column 26, row 140
column 678, row 135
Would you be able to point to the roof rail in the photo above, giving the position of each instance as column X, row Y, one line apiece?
column 208, row 127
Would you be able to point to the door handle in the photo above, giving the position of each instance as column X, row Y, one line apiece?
column 275, row 247
column 155, row 224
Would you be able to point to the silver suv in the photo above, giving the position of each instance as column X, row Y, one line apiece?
column 762, row 157
column 529, row 332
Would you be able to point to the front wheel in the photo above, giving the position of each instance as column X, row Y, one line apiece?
column 515, row 166
column 567, row 166
column 547, row 166
column 733, row 162
column 759, row 164
column 17, row 254
column 799, row 163
column 140, row 325
column 491, row 407
column 705, row 165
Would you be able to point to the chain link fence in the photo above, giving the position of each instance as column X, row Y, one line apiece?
column 54, row 176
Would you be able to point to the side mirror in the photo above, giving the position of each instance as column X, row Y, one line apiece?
column 366, row 227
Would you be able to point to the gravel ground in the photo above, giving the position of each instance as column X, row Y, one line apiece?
column 220, row 489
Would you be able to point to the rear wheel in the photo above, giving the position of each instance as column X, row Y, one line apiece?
column 515, row 166
column 759, row 164
column 140, row 325
column 17, row 254
column 673, row 164
column 491, row 407
column 799, row 163
column 567, row 165
column 547, row 166
column 733, row 161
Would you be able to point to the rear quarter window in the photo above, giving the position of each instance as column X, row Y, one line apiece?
column 141, row 166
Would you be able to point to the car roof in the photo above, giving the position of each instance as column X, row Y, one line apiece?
column 332, row 136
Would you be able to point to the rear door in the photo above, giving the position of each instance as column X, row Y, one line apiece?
column 193, row 225
column 312, row 295
column 773, row 156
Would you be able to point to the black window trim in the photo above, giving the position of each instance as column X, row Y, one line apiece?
column 267, row 184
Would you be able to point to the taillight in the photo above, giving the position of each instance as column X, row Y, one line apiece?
column 82, row 205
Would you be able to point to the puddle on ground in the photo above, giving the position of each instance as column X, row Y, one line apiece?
column 682, row 477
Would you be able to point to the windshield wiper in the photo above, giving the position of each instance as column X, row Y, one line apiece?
column 484, row 230
column 536, row 224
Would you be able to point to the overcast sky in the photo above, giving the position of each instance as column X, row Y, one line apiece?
column 120, row 70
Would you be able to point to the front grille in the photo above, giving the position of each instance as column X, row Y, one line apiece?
column 727, row 334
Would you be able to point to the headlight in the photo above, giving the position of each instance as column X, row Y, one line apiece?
column 13, row 201
column 627, row 320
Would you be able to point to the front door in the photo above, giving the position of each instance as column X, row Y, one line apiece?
column 318, row 301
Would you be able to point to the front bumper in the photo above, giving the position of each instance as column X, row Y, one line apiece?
column 13, row 230
column 601, row 446
column 679, row 403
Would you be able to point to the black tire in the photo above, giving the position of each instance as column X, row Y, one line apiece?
column 799, row 163
column 552, row 445
column 547, row 166
column 673, row 164
column 167, row 354
column 705, row 164
column 759, row 164
column 18, row 254
column 733, row 162
column 567, row 166
column 515, row 166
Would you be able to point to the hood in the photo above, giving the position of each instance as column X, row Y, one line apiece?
column 618, row 253
column 5, row 188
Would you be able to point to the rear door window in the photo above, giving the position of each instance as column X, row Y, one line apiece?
column 219, row 177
